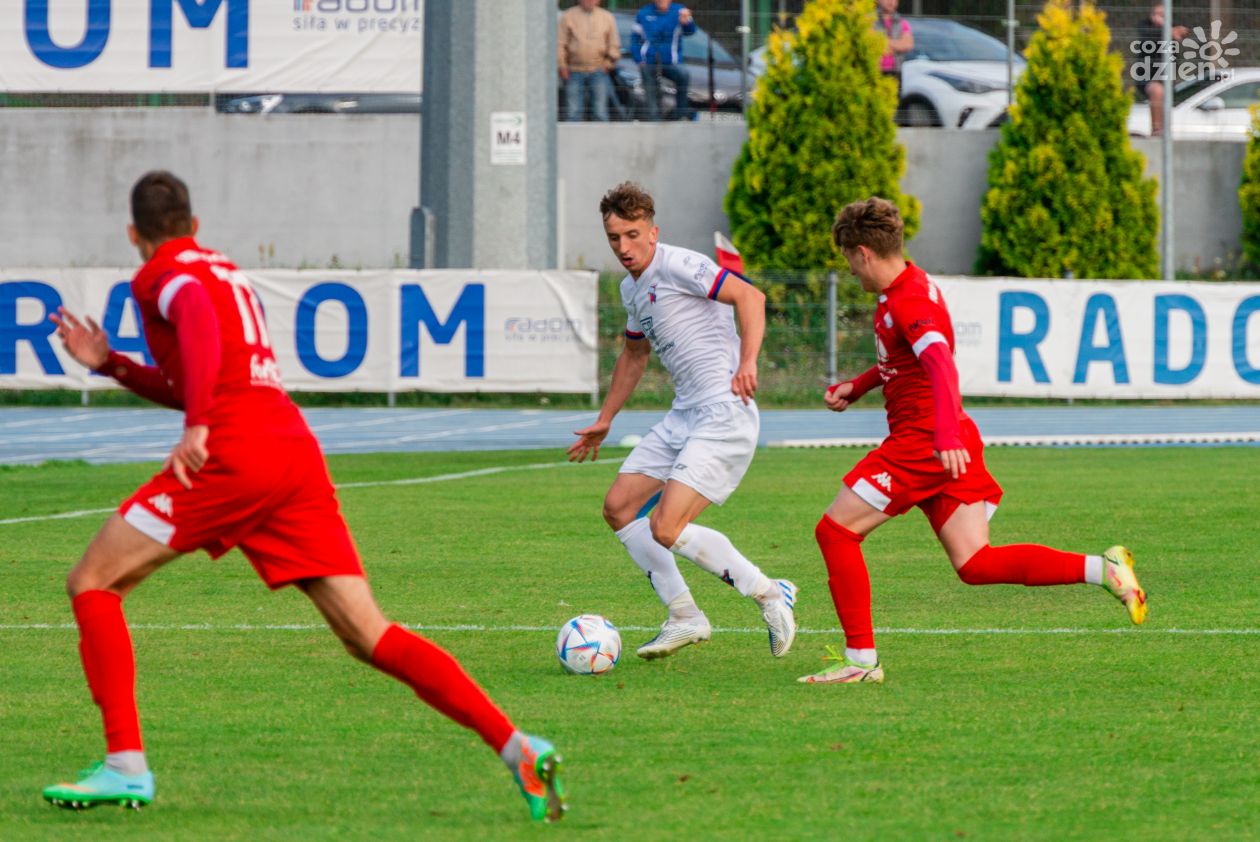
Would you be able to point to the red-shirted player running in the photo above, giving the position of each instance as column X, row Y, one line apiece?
column 248, row 472
column 933, row 457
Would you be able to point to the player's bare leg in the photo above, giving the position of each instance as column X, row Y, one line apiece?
column 839, row 534
column 348, row 605
column 118, row 559
column 965, row 537
column 672, row 526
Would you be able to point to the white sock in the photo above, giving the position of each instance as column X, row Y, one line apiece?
column 865, row 657
column 126, row 762
column 511, row 753
column 683, row 607
column 653, row 559
column 1093, row 569
column 714, row 552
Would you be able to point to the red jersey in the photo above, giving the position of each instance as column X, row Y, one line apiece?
column 910, row 316
column 246, row 390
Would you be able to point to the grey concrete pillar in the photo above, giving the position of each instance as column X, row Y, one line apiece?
column 488, row 136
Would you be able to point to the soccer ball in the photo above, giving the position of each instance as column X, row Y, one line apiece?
column 588, row 645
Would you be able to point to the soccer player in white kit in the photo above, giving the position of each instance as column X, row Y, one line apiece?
column 683, row 306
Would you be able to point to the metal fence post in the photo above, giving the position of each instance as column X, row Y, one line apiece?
column 831, row 327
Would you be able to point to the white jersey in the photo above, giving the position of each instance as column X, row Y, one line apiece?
column 673, row 304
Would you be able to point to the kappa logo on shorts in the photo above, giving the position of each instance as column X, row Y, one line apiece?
column 163, row 503
column 884, row 480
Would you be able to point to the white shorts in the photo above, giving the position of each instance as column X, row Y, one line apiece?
column 708, row 448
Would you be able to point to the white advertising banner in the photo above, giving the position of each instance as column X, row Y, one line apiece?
column 197, row 46
column 1105, row 339
column 334, row 331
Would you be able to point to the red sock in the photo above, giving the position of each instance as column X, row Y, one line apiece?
column 1023, row 564
column 848, row 580
column 110, row 665
column 438, row 679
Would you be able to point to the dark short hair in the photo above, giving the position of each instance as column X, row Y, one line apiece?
column 160, row 207
column 628, row 201
column 875, row 223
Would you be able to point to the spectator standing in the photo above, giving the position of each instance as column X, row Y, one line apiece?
column 1152, row 32
column 900, row 39
column 656, row 45
column 587, row 48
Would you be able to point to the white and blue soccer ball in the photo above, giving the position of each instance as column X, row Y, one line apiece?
column 588, row 645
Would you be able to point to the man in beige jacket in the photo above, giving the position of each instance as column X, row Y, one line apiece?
column 587, row 48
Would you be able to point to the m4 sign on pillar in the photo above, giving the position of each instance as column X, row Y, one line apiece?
column 507, row 138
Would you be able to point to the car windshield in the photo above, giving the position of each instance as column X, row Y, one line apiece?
column 939, row 40
column 695, row 47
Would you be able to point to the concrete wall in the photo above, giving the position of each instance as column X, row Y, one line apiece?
column 286, row 190
column 295, row 190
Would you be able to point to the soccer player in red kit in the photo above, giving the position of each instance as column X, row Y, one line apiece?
column 933, row 457
column 248, row 472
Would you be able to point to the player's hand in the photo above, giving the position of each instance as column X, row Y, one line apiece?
column 744, row 383
column 837, row 396
column 955, row 461
column 684, row 16
column 190, row 454
column 590, row 439
column 564, row 73
column 87, row 343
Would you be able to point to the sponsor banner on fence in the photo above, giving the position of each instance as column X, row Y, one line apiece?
column 434, row 331
column 1105, row 339
column 195, row 46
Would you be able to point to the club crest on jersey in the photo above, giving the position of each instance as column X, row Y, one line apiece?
column 652, row 293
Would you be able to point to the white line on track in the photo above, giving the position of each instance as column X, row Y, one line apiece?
column 479, row 472
column 252, row 627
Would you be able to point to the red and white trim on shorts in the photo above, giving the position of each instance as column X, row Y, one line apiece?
column 149, row 523
column 866, row 489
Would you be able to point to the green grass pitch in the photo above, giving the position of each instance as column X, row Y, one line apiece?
column 1101, row 732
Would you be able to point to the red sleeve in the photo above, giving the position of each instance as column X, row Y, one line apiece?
column 864, row 382
column 938, row 362
column 197, row 329
column 147, row 381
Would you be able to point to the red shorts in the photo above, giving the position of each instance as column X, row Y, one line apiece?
column 272, row 497
column 902, row 472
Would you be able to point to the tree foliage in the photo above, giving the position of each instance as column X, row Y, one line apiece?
column 1249, row 194
column 1067, row 192
column 820, row 135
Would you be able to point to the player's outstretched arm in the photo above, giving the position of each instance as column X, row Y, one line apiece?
column 840, row 396
column 89, row 346
column 631, row 363
column 750, row 314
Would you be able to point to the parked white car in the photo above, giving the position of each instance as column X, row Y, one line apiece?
column 1214, row 108
column 954, row 77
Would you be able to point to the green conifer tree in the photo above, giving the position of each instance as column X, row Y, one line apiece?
column 1249, row 195
column 1067, row 193
column 820, row 135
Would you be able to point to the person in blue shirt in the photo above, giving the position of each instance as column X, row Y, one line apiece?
column 656, row 45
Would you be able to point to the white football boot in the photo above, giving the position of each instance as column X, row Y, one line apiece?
column 780, row 617
column 674, row 635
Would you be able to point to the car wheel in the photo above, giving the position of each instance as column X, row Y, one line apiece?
column 918, row 113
